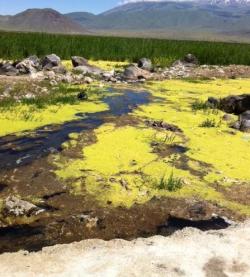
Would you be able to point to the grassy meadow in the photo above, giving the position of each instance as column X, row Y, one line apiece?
column 162, row 52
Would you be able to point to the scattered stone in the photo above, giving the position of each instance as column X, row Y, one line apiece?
column 53, row 83
column 18, row 207
column 82, row 96
column 88, row 80
column 163, row 125
column 78, row 61
column 29, row 65
column 145, row 64
column 124, row 184
column 133, row 72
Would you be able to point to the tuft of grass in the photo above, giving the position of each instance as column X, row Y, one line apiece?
column 209, row 123
column 171, row 183
column 200, row 105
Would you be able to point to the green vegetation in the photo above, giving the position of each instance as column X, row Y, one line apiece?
column 171, row 183
column 162, row 52
column 208, row 123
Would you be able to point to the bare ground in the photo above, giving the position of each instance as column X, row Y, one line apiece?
column 189, row 252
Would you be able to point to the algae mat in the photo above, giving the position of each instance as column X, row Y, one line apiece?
column 126, row 162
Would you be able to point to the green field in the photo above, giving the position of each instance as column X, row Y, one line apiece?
column 162, row 52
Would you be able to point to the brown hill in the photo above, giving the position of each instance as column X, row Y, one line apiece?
column 42, row 20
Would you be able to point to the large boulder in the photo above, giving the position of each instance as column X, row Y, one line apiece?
column 133, row 72
column 14, row 206
column 78, row 61
column 235, row 104
column 88, row 69
column 29, row 65
column 8, row 69
column 145, row 64
column 50, row 61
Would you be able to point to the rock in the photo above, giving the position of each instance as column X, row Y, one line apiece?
column 29, row 65
column 8, row 70
column 133, row 72
column 88, row 80
column 66, row 78
column 244, row 120
column 87, row 69
column 82, row 96
column 213, row 102
column 235, row 104
column 17, row 207
column 108, row 76
column 227, row 117
column 50, row 75
column 145, row 64
column 163, row 125
column 59, row 69
column 191, row 59
column 53, row 83
column 78, row 61
column 50, row 61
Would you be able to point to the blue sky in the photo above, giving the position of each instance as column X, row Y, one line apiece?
column 95, row 6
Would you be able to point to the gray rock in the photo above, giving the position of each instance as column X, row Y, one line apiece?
column 29, row 65
column 227, row 117
column 50, row 61
column 78, row 61
column 87, row 69
column 133, row 72
column 59, row 69
column 245, row 121
column 8, row 70
column 145, row 64
column 88, row 80
column 213, row 102
column 190, row 58
column 18, row 207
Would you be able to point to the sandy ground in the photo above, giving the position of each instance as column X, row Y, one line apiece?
column 189, row 252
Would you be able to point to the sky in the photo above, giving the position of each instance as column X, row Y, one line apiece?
column 63, row 6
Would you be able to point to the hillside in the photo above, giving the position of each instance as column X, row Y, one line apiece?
column 41, row 20
column 192, row 18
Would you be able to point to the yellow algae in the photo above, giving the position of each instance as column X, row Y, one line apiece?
column 105, row 65
column 26, row 117
column 122, row 168
column 226, row 152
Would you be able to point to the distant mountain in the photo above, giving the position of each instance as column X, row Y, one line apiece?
column 226, row 2
column 41, row 20
column 198, row 17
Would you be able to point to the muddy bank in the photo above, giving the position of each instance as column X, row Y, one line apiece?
column 189, row 252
